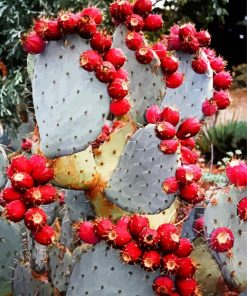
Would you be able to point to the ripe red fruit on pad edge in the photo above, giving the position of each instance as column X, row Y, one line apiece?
column 45, row 236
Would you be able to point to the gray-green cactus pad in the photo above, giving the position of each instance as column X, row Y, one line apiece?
column 3, row 165
column 100, row 272
column 223, row 213
column 136, row 183
column 71, row 105
column 10, row 246
column 145, row 81
column 188, row 98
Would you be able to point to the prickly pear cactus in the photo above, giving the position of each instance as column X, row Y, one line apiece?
column 3, row 165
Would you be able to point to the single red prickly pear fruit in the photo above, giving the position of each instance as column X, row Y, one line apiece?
column 170, row 264
column 163, row 285
column 123, row 222
column 169, row 64
column 222, row 80
column 198, row 226
column 199, row 65
column 187, row 31
column 45, row 236
column 160, row 49
column 134, row 40
column 33, row 197
column 221, row 98
column 101, row 41
column 134, row 22
column 242, row 209
column 144, row 55
column 121, row 74
column 185, row 247
column 15, row 210
column 26, row 144
column 40, row 26
column 9, row 194
column 120, row 107
column 210, row 53
column 105, row 72
column 184, row 174
column 153, row 23
column 43, row 175
column 94, row 13
column 49, row 194
column 174, row 80
column 217, row 64
column 89, row 60
column 170, row 115
column 203, row 37
column 52, row 31
column 174, row 42
column 209, row 108
column 148, row 238
column 169, row 239
column 187, row 287
column 35, row 219
column 20, row 164
column 136, row 224
column 87, row 234
column 189, row 143
column 236, row 172
column 21, row 181
column 188, row 156
column 150, row 260
column 116, row 57
column 131, row 253
column 102, row 227
column 86, row 27
column 169, row 146
column 190, row 46
column 67, row 21
column 143, row 7
column 153, row 114
column 120, row 10
column 32, row 43
column 117, row 89
column 37, row 162
column 189, row 192
column 187, row 268
column 119, row 236
column 197, row 172
column 221, row 239
column 165, row 130
column 188, row 128
column 170, row 185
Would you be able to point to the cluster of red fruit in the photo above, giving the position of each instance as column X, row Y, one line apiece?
column 28, row 190
column 152, row 249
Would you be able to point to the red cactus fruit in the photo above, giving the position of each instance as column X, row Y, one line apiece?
column 170, row 115
column 174, row 80
column 197, row 172
column 35, row 219
column 174, row 42
column 134, row 22
column 221, row 239
column 203, row 37
column 26, row 144
column 102, row 227
column 187, row 268
column 43, row 175
column 9, row 194
column 101, row 41
column 121, row 74
column 87, row 234
column 189, row 192
column 170, row 185
column 40, row 26
column 187, row 287
column 116, row 57
column 131, row 253
column 153, row 23
column 119, row 236
column 190, row 46
column 118, row 89
column 45, row 236
column 189, row 143
column 143, row 7
column 187, row 31
column 153, row 114
column 169, row 64
column 199, row 65
column 136, row 224
column 49, row 194
column 185, row 248
column 134, row 40
column 165, row 130
column 144, row 55
column 37, row 162
column 169, row 146
column 222, row 99
column 105, row 72
column 86, row 27
column 188, row 128
column 120, row 10
column 210, row 53
column 184, row 174
column 33, row 196
column 222, row 80
column 198, row 226
column 209, row 108
column 47, row 29
column 188, row 156
column 20, row 164
column 170, row 264
column 67, row 21
column 163, row 285
column 148, row 238
column 242, row 209
column 94, row 13
column 15, row 210
column 169, row 239
column 120, row 107
column 21, row 181
column 89, row 60
column 32, row 43
column 236, row 172
column 217, row 64
column 160, row 49
column 123, row 222
column 150, row 260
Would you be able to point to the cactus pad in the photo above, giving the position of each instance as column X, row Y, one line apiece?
column 3, row 165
